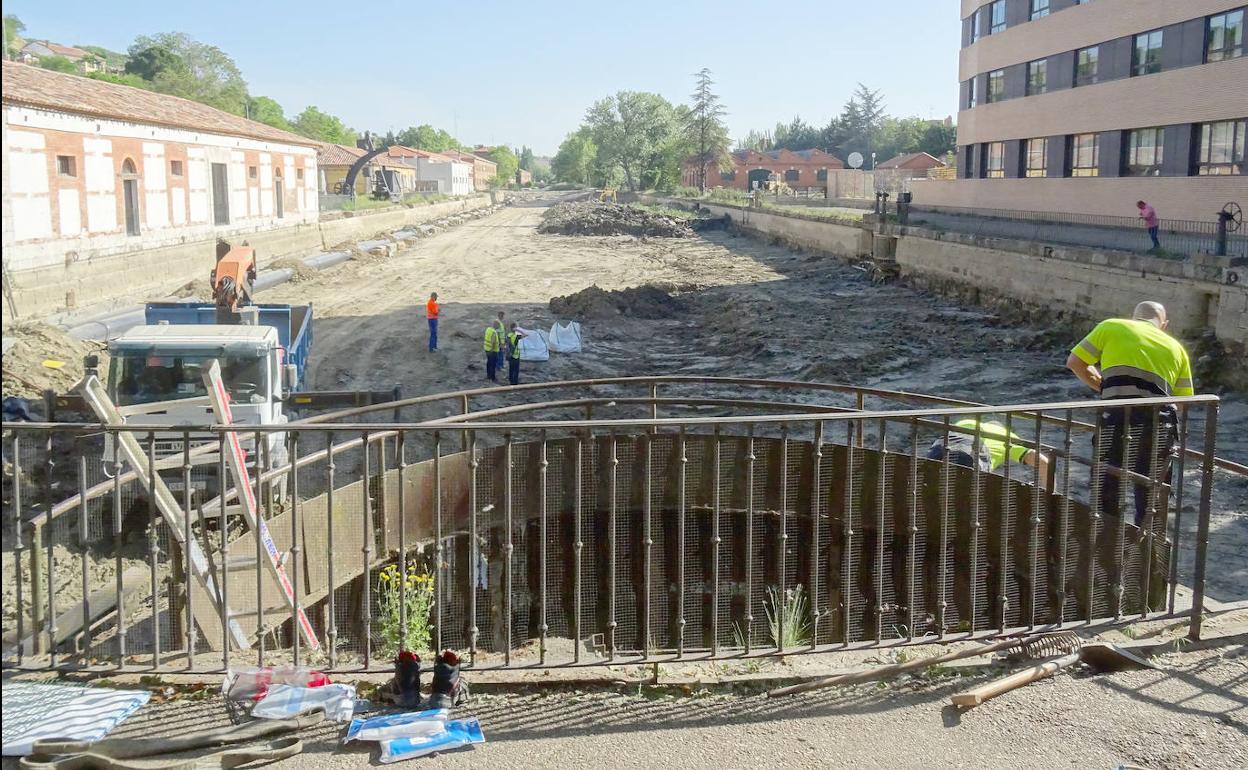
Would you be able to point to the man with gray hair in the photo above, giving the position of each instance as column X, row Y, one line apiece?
column 1135, row 358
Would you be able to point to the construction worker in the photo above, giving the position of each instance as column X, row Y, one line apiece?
column 1134, row 358
column 513, row 353
column 431, row 312
column 493, row 344
column 501, row 325
column 993, row 440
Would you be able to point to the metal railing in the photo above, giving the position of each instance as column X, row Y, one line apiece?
column 619, row 521
column 1178, row 237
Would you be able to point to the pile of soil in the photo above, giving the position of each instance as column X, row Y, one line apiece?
column 611, row 219
column 299, row 272
column 24, row 372
column 198, row 288
column 649, row 302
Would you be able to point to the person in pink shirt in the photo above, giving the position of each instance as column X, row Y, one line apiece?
column 1149, row 215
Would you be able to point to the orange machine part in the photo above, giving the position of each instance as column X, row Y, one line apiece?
column 237, row 263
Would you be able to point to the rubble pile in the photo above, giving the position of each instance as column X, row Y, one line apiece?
column 611, row 219
column 648, row 301
column 43, row 357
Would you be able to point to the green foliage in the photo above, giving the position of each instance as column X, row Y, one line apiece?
column 399, row 595
column 426, row 137
column 123, row 80
column 507, row 162
column 574, row 162
column 640, row 134
column 705, row 130
column 790, row 610
column 197, row 71
column 151, row 61
column 323, row 127
column 13, row 28
column 526, row 159
column 58, row 64
column 267, row 111
column 114, row 60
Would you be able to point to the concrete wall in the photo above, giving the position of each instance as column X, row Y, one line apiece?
column 99, row 280
column 840, row 240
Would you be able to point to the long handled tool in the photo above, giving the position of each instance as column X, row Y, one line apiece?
column 1101, row 657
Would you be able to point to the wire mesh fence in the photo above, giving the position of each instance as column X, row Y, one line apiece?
column 593, row 530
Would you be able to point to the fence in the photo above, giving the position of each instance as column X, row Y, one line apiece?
column 1178, row 236
column 616, row 521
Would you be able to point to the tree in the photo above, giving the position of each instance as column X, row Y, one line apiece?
column 705, row 128
column 111, row 59
column 151, row 61
column 797, row 135
column 426, row 137
column 632, row 129
column 323, row 127
column 57, row 64
column 507, row 162
column 939, row 139
column 526, row 158
column 758, row 141
column 13, row 29
column 267, row 111
column 123, row 79
column 574, row 162
column 201, row 72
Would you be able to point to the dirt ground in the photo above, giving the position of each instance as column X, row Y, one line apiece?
column 748, row 308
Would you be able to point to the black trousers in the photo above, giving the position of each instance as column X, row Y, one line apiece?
column 491, row 366
column 1130, row 442
column 513, row 370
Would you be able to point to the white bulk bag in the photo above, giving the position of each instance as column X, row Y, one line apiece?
column 533, row 345
column 565, row 337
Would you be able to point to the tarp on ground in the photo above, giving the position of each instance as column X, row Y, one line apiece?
column 35, row 711
column 534, row 345
column 565, row 337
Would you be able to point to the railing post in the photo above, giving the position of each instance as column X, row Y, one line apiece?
column 1202, row 526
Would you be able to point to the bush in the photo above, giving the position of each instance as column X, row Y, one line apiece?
column 397, row 594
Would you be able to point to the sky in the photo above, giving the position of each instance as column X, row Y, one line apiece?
column 524, row 73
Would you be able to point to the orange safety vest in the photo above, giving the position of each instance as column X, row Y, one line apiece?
column 431, row 309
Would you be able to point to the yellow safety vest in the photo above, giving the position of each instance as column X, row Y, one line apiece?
column 491, row 340
column 1136, row 359
column 513, row 339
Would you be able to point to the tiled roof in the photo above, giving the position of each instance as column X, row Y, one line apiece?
column 67, row 51
column 399, row 151
column 343, row 155
column 809, row 156
column 902, row 160
column 36, row 87
column 467, row 157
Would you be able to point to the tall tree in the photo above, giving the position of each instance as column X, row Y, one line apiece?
column 574, row 162
column 631, row 130
column 152, row 60
column 939, row 139
column 13, row 29
column 323, row 127
column 507, row 162
column 203, row 73
column 705, row 128
column 426, row 137
column 267, row 111
column 526, row 158
column 796, row 135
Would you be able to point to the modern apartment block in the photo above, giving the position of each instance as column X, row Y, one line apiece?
column 1086, row 106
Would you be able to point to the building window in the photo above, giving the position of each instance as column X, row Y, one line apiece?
column 1085, row 155
column 1087, row 65
column 1037, row 77
column 1147, row 57
column 821, row 175
column 1039, row 9
column 66, row 165
column 994, row 168
column 175, row 168
column 728, row 176
column 1225, row 36
column 1222, row 148
column 971, row 101
column 996, row 86
column 792, row 175
column 299, row 174
column 997, row 14
column 1144, row 149
column 975, row 26
column 251, row 172
column 1036, row 158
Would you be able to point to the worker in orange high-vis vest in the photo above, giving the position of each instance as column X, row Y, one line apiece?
column 431, row 312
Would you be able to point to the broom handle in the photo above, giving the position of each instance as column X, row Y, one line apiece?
column 899, row 668
column 1001, row 686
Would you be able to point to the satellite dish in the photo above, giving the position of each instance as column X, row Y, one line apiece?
column 855, row 160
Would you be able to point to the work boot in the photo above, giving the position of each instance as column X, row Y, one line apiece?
column 448, row 689
column 404, row 689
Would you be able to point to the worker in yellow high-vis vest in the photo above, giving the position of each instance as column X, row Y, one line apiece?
column 1134, row 358
column 493, row 344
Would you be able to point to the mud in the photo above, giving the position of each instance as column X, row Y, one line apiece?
column 612, row 219
column 649, row 302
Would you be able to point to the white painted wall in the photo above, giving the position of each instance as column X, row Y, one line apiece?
column 27, row 162
column 453, row 178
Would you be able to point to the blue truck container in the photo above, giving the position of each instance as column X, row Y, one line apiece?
column 293, row 324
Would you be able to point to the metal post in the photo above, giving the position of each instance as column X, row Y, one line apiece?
column 847, row 525
column 913, row 531
column 715, row 539
column 509, row 547
column 153, row 550
column 543, row 492
column 647, row 537
column 83, row 543
column 370, row 539
column 401, row 452
column 223, row 530
column 879, row 532
column 578, row 545
column 260, row 456
column 438, row 548
column 1003, row 556
column 187, row 537
column 1180, row 474
column 18, row 546
column 976, row 521
column 816, row 514
column 473, row 545
column 331, row 620
column 612, row 625
column 1033, row 535
column 782, row 542
column 1202, row 525
column 1064, row 527
column 749, row 539
column 942, row 604
column 1094, row 518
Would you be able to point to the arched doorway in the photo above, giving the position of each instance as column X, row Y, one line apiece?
column 278, row 194
column 130, row 195
column 759, row 175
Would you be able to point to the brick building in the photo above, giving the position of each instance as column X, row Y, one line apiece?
column 799, row 169
column 1088, row 107
column 95, row 172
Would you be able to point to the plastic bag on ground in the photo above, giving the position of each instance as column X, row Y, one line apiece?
column 458, row 732
column 412, row 724
column 252, row 683
column 283, row 702
column 565, row 337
